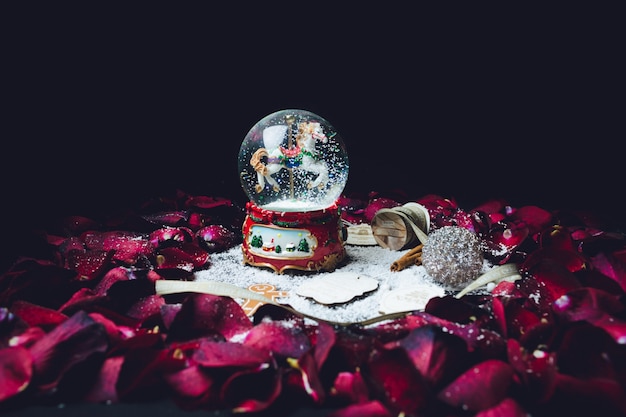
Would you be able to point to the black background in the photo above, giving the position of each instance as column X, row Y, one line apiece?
column 106, row 106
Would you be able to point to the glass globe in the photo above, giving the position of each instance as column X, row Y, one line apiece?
column 293, row 160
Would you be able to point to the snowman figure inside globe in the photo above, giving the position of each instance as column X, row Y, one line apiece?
column 293, row 167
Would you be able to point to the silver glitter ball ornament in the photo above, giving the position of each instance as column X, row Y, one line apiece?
column 452, row 256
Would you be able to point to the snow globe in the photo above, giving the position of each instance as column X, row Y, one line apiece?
column 293, row 167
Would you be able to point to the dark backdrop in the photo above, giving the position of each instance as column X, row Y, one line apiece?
column 108, row 107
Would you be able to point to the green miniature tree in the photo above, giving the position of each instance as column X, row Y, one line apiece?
column 278, row 249
column 303, row 245
column 257, row 241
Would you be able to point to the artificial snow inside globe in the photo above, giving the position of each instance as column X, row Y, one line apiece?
column 293, row 167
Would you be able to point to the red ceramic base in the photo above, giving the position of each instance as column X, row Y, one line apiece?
column 302, row 240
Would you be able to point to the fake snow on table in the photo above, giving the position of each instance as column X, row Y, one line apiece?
column 406, row 290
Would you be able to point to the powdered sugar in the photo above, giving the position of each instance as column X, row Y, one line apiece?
column 370, row 261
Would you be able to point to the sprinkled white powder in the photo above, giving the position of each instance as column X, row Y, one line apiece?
column 370, row 261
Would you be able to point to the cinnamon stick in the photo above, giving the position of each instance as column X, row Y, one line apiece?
column 412, row 257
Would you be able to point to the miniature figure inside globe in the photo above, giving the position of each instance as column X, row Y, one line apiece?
column 293, row 160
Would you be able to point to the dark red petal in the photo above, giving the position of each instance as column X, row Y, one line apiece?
column 115, row 332
column 104, row 389
column 40, row 282
column 28, row 337
column 536, row 371
column 534, row 217
column 16, row 370
column 90, row 265
column 573, row 261
column 187, row 257
column 377, row 204
column 72, row 244
column 349, row 387
column 167, row 236
column 550, row 280
column 252, row 390
column 128, row 246
column 192, row 387
column 602, row 397
column 112, row 276
column 612, row 267
column 491, row 206
column 205, row 202
column 557, row 237
column 209, row 315
column 506, row 408
column 35, row 315
column 216, row 354
column 365, row 409
column 517, row 318
column 141, row 374
column 304, row 377
column 504, row 237
column 216, row 238
column 481, row 387
column 80, row 300
column 587, row 304
column 322, row 337
column 397, row 382
column 280, row 337
column 146, row 307
column 76, row 225
column 68, row 344
column 437, row 355
column 167, row 218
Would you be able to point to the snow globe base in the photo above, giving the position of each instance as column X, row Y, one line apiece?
column 300, row 240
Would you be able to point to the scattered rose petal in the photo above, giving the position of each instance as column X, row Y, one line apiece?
column 481, row 387
column 35, row 315
column 65, row 346
column 16, row 370
column 397, row 382
column 216, row 238
column 369, row 409
column 281, row 337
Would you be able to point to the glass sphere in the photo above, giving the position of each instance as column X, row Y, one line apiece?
column 293, row 160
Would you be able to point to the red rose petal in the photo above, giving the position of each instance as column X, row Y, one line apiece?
column 252, row 390
column 612, row 267
column 377, row 204
column 536, row 371
column 209, row 315
column 16, row 370
column 104, row 389
column 216, row 238
column 481, row 387
column 350, row 387
column 534, row 217
column 171, row 236
column 603, row 397
column 66, row 345
column 167, row 218
column 187, row 257
column 393, row 378
column 192, row 387
column 437, row 355
column 205, row 202
column 280, row 337
column 90, row 265
column 214, row 354
column 366, row 409
column 35, row 315
column 506, row 408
